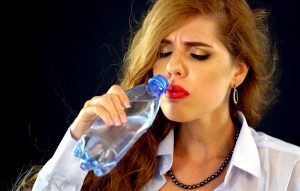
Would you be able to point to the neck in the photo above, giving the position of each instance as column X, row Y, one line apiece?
column 205, row 139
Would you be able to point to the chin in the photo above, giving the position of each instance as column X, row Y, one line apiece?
column 176, row 116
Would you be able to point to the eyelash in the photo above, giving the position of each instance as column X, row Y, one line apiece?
column 164, row 54
column 200, row 57
column 196, row 56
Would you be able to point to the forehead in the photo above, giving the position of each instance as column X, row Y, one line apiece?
column 195, row 28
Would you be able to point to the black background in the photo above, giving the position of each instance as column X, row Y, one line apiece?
column 61, row 53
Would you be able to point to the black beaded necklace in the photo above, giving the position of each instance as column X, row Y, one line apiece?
column 213, row 176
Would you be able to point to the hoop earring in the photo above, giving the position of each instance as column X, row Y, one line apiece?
column 235, row 95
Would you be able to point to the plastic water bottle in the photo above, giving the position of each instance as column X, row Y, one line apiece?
column 102, row 146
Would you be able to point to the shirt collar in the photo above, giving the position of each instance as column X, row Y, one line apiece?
column 166, row 146
column 245, row 155
column 165, row 153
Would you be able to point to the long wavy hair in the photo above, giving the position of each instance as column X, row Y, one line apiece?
column 245, row 34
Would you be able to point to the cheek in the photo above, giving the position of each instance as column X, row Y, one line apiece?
column 213, row 84
column 158, row 68
column 221, row 73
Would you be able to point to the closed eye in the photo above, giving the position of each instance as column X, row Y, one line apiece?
column 200, row 57
column 164, row 54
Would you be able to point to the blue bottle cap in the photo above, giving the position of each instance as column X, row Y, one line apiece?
column 158, row 84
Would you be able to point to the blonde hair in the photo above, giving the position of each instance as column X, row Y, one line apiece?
column 245, row 34
column 26, row 179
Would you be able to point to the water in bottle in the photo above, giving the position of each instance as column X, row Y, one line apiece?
column 102, row 146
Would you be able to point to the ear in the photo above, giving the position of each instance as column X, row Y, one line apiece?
column 240, row 73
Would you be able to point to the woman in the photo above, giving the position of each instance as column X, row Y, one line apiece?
column 216, row 56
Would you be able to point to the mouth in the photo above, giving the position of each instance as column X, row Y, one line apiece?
column 176, row 92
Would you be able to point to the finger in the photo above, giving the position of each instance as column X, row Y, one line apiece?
column 119, row 107
column 89, row 113
column 103, row 114
column 86, row 117
column 117, row 90
column 108, row 104
column 87, row 103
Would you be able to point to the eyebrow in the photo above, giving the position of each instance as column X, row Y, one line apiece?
column 187, row 43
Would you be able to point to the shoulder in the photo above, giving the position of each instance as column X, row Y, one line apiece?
column 278, row 157
column 280, row 160
column 267, row 144
column 274, row 145
column 275, row 161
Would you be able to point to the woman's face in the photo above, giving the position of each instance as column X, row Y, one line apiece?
column 199, row 68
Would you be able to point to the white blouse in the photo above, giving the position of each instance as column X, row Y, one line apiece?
column 259, row 163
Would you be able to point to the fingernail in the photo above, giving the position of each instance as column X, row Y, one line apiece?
column 110, row 122
column 127, row 103
column 117, row 121
column 123, row 118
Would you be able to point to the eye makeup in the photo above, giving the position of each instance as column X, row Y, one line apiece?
column 164, row 54
column 194, row 50
column 200, row 57
column 198, row 53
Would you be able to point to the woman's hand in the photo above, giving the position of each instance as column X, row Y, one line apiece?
column 110, row 107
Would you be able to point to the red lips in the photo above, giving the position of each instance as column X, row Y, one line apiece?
column 176, row 92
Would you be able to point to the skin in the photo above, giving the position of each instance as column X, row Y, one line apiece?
column 207, row 133
column 110, row 107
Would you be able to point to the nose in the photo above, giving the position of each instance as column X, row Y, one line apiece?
column 176, row 66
